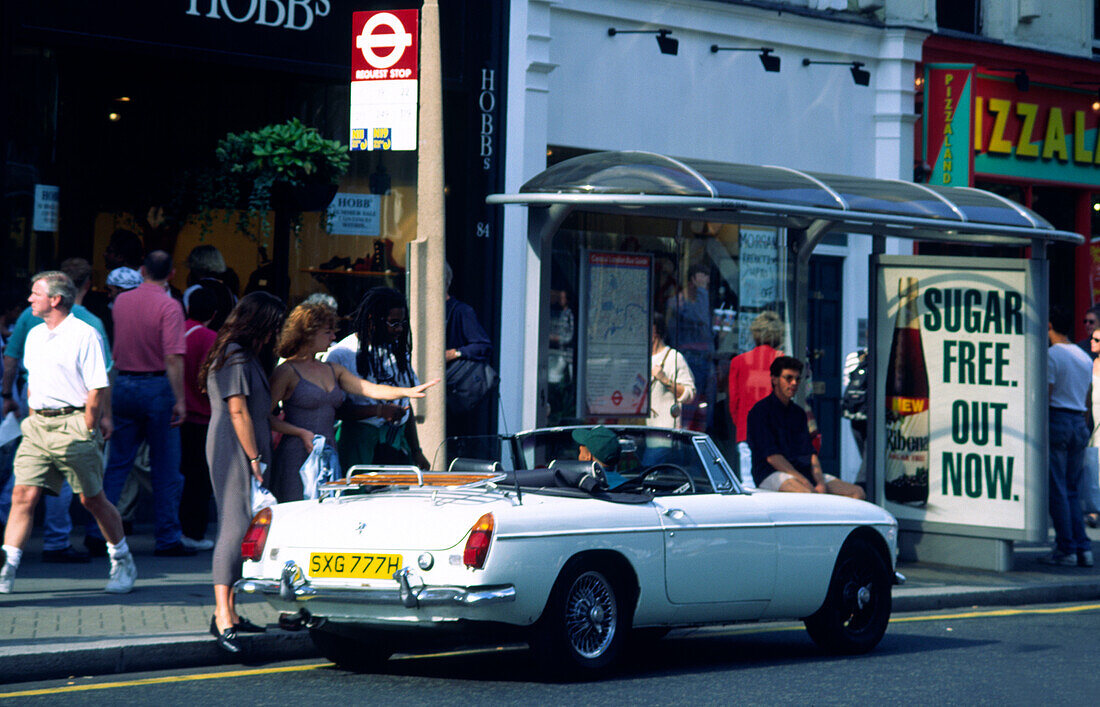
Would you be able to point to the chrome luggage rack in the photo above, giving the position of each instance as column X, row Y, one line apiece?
column 374, row 475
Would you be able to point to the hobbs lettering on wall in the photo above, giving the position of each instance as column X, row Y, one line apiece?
column 289, row 14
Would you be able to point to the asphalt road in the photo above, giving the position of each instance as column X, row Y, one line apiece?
column 1020, row 656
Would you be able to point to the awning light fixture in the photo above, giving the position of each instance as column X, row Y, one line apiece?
column 770, row 62
column 665, row 43
column 860, row 76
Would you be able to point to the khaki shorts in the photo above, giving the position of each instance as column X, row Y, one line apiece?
column 774, row 480
column 58, row 449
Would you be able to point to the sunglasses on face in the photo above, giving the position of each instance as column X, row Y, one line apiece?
column 1096, row 340
column 396, row 324
column 1090, row 322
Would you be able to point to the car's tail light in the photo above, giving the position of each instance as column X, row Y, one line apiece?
column 252, row 547
column 477, row 546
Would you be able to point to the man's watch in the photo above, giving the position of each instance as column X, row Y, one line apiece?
column 458, row 353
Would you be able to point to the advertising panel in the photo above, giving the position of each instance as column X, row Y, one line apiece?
column 617, row 321
column 953, row 387
column 384, row 80
column 354, row 214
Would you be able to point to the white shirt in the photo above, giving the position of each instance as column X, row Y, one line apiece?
column 1069, row 371
column 661, row 397
column 345, row 351
column 63, row 364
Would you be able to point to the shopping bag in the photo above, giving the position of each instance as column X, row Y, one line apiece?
column 261, row 497
column 321, row 466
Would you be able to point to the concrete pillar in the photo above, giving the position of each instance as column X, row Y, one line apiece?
column 427, row 252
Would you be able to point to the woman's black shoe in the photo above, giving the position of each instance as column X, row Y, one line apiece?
column 227, row 639
column 243, row 625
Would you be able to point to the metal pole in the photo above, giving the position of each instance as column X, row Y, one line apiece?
column 426, row 292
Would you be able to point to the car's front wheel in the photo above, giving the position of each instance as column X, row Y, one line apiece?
column 360, row 654
column 584, row 626
column 856, row 611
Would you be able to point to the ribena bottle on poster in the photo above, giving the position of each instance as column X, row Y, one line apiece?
column 906, row 476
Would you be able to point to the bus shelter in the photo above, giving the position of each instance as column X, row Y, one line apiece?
column 958, row 456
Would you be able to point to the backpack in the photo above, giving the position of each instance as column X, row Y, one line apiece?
column 853, row 405
column 468, row 382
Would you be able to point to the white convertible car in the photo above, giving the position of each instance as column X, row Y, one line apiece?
column 524, row 542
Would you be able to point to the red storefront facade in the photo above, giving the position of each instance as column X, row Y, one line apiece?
column 1023, row 124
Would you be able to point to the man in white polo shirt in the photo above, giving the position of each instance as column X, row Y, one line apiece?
column 63, row 435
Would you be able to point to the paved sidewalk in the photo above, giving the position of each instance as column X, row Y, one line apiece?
column 58, row 622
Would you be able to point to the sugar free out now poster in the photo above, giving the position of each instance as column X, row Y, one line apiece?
column 956, row 451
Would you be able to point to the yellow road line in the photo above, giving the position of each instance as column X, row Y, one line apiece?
column 994, row 613
column 163, row 680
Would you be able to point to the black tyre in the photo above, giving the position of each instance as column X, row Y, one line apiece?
column 358, row 654
column 856, row 611
column 584, row 626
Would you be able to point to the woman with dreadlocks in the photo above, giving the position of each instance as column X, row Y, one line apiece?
column 380, row 350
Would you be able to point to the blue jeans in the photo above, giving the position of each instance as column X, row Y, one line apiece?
column 143, row 411
column 58, row 524
column 1068, row 436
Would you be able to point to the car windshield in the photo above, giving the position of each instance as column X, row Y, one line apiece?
column 658, row 454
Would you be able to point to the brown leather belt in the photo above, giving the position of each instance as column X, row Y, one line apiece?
column 57, row 412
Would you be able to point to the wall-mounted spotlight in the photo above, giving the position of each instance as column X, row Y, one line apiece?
column 1096, row 100
column 770, row 62
column 665, row 43
column 860, row 76
column 1021, row 79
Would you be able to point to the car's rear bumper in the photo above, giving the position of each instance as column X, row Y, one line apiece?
column 292, row 586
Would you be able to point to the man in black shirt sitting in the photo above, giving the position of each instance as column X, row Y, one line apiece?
column 783, row 457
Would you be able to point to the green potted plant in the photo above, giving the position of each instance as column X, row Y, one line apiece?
column 287, row 166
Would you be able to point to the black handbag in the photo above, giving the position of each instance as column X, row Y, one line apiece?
column 468, row 382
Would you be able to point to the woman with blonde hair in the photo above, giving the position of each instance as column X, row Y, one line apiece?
column 310, row 391
column 749, row 379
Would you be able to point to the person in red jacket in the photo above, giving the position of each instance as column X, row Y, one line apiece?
column 750, row 381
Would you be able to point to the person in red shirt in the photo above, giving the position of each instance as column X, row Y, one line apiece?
column 198, row 337
column 750, row 382
column 148, row 395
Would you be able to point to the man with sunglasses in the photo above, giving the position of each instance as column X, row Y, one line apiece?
column 1092, row 323
column 783, row 456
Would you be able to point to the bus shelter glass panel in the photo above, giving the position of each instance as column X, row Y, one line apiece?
column 709, row 283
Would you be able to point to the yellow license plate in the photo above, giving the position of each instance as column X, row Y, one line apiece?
column 353, row 565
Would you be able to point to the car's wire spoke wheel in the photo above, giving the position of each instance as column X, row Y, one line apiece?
column 591, row 615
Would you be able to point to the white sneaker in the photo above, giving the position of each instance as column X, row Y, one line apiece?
column 197, row 545
column 7, row 578
column 123, row 574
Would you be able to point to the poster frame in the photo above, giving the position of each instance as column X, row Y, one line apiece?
column 1035, row 389
column 584, row 304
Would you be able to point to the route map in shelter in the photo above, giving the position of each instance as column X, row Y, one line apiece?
column 618, row 328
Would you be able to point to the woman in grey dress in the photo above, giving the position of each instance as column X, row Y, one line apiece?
column 310, row 392
column 238, row 442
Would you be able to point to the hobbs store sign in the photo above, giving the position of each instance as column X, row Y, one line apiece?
column 289, row 14
column 955, row 389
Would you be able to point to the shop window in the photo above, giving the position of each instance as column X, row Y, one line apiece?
column 707, row 281
column 959, row 15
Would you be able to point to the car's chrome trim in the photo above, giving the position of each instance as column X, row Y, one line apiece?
column 899, row 578
column 410, row 592
column 685, row 527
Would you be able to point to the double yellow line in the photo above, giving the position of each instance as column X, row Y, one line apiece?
column 995, row 613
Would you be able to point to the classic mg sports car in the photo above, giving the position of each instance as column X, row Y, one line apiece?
column 521, row 541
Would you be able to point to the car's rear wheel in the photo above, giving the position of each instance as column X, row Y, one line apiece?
column 856, row 611
column 585, row 623
column 358, row 653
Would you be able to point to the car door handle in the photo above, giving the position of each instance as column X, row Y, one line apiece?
column 674, row 513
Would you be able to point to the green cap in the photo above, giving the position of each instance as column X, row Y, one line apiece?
column 602, row 442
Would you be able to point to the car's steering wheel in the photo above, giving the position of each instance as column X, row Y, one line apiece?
column 639, row 480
